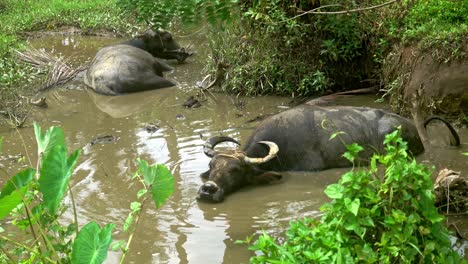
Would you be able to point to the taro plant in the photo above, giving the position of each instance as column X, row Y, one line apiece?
column 381, row 214
column 32, row 200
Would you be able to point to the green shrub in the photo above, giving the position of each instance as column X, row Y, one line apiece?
column 382, row 214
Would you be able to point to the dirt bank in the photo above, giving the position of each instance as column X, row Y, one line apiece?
column 439, row 81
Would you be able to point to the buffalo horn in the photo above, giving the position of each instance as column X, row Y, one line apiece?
column 271, row 154
column 208, row 148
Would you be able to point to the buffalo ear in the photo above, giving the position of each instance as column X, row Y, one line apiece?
column 267, row 177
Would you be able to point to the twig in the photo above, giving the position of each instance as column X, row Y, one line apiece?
column 315, row 10
column 26, row 247
column 7, row 255
column 137, row 220
column 75, row 215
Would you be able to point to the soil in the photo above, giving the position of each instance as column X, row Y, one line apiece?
column 442, row 86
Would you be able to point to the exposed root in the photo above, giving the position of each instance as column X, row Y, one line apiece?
column 451, row 190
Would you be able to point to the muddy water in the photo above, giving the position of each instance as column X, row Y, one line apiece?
column 183, row 230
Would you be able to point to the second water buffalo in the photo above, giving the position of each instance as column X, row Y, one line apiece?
column 295, row 140
column 133, row 66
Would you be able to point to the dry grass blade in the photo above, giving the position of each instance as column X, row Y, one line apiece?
column 58, row 70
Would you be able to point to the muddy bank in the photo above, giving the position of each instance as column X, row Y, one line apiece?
column 439, row 81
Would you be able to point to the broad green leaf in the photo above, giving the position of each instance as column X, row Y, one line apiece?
column 52, row 137
column 16, row 182
column 91, row 244
column 466, row 153
column 147, row 171
column 334, row 191
column 163, row 186
column 159, row 180
column 10, row 202
column 56, row 171
column 353, row 206
column 1, row 144
column 14, row 190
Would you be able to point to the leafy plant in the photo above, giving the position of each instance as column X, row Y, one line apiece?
column 162, row 12
column 33, row 198
column 382, row 214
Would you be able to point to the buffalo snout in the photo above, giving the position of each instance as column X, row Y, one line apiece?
column 210, row 192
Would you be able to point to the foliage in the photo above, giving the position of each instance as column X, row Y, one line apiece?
column 162, row 12
column 33, row 199
column 437, row 23
column 371, row 218
column 280, row 53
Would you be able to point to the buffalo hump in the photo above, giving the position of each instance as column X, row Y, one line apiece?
column 123, row 69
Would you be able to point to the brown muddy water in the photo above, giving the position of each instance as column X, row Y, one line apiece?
column 183, row 230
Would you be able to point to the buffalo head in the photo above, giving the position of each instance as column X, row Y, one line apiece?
column 161, row 44
column 230, row 170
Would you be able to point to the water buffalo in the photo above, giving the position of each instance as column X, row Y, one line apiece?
column 132, row 66
column 295, row 140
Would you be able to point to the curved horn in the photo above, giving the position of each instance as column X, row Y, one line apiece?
column 271, row 154
column 208, row 148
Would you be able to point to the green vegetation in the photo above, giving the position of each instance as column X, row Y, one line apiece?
column 162, row 12
column 279, row 54
column 33, row 200
column 436, row 24
column 382, row 214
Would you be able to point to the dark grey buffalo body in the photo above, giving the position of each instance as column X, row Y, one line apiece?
column 132, row 66
column 296, row 140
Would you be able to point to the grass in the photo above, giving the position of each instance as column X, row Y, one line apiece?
column 438, row 24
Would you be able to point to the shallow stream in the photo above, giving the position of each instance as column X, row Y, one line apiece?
column 183, row 230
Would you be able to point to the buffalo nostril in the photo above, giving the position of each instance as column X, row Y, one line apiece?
column 209, row 188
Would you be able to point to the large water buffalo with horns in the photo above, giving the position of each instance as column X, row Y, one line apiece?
column 296, row 140
column 132, row 66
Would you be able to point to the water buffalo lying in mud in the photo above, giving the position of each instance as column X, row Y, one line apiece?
column 295, row 140
column 132, row 66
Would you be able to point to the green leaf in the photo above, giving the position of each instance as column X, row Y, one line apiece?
column 91, row 244
column 334, row 191
column 147, row 171
column 353, row 206
column 16, row 182
column 334, row 135
column 141, row 193
column 53, row 136
column 135, row 206
column 56, row 171
column 117, row 245
column 13, row 191
column 1, row 144
column 128, row 222
column 163, row 187
column 352, row 152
